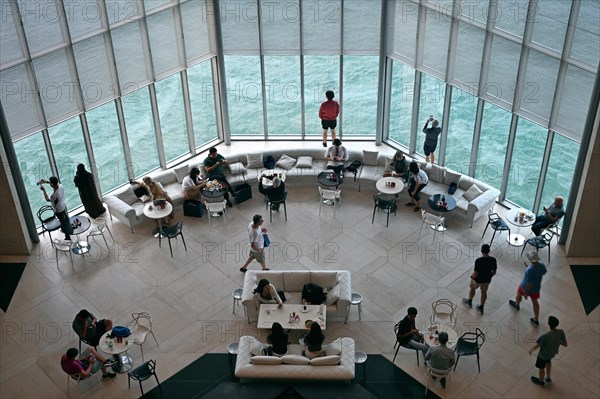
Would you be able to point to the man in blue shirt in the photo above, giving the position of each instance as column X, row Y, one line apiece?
column 550, row 216
column 531, row 285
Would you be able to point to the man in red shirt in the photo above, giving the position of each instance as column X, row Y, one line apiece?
column 328, row 113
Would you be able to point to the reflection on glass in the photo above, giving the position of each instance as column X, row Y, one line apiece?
column 461, row 124
column 140, row 131
column 493, row 139
column 526, row 162
column 282, row 80
column 432, row 103
column 169, row 97
column 244, row 95
column 360, row 95
column 202, row 99
column 560, row 169
column 34, row 165
column 403, row 90
column 321, row 73
column 103, row 126
column 68, row 147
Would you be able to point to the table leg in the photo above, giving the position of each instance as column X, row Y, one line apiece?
column 516, row 239
column 439, row 227
column 124, row 364
column 81, row 247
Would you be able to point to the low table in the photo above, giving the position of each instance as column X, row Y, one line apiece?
column 118, row 349
column 271, row 313
column 215, row 193
column 512, row 217
column 80, row 224
column 151, row 211
column 384, row 188
column 450, row 205
column 431, row 338
column 325, row 178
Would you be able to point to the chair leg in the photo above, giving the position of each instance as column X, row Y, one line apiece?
column 109, row 232
column 157, row 382
column 56, row 256
column 484, row 230
column 271, row 214
column 320, row 204
column 493, row 235
column 478, row 367
column 387, row 223
column 373, row 218
column 159, row 239
column 395, row 354
column 106, row 242
column 417, row 352
column 170, row 248
column 183, row 239
column 129, row 381
column 141, row 389
column 456, row 364
column 285, row 210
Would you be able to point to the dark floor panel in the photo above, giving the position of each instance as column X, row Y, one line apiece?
column 586, row 278
column 10, row 274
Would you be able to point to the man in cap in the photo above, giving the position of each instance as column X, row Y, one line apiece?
column 531, row 285
column 440, row 357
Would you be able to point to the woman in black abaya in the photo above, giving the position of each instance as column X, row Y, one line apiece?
column 84, row 181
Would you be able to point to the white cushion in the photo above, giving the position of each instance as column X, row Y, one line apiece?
column 325, row 360
column 304, row 162
column 255, row 160
column 256, row 348
column 370, row 157
column 294, row 359
column 265, row 360
column 294, row 280
column 237, row 168
column 451, row 177
column 127, row 196
column 472, row 193
column 334, row 348
column 181, row 171
column 333, row 295
column 286, row 162
column 324, row 279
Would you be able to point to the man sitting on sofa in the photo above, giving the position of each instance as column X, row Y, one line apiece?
column 336, row 156
column 213, row 165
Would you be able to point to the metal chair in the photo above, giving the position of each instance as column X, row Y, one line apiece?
column 538, row 242
column 270, row 203
column 172, row 232
column 140, row 326
column 468, row 344
column 397, row 345
column 142, row 373
column 431, row 372
column 443, row 312
column 216, row 207
column 554, row 229
column 497, row 223
column 385, row 204
column 97, row 229
column 78, row 377
column 431, row 220
column 335, row 196
column 63, row 246
column 48, row 219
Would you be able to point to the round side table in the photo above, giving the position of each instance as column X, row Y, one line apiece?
column 232, row 349
column 356, row 299
column 361, row 358
column 237, row 296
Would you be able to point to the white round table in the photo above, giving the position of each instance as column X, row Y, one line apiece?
column 431, row 338
column 118, row 349
column 151, row 211
column 383, row 188
column 513, row 217
column 80, row 224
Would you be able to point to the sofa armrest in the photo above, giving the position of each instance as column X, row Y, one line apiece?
column 121, row 210
column 248, row 300
column 481, row 204
column 347, row 355
column 244, row 356
column 343, row 302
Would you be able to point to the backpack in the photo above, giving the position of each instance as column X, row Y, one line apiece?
column 120, row 331
column 353, row 167
column 269, row 162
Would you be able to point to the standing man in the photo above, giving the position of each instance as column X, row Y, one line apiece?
column 551, row 215
column 407, row 333
column 485, row 269
column 328, row 113
column 257, row 243
column 531, row 286
column 548, row 344
column 431, row 138
column 213, row 165
column 440, row 357
column 57, row 201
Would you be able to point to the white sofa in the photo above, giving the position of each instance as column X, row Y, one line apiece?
column 249, row 367
column 292, row 281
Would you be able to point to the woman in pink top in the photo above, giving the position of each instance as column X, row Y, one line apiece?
column 328, row 113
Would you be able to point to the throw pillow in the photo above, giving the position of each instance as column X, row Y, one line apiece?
column 370, row 157
column 128, row 196
column 451, row 177
column 286, row 162
column 334, row 348
column 472, row 193
column 294, row 359
column 255, row 160
column 333, row 295
column 325, row 360
column 181, row 171
column 304, row 162
column 325, row 279
column 237, row 168
column 256, row 348
column 265, row 360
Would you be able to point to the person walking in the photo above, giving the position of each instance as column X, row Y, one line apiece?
column 57, row 201
column 257, row 243
column 328, row 112
column 548, row 344
column 431, row 138
column 84, row 181
column 531, row 285
column 485, row 269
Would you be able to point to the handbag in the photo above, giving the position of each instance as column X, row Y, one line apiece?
column 267, row 241
column 120, row 331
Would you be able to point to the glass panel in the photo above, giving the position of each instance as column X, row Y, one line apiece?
column 202, row 99
column 122, row 10
column 282, row 77
column 281, row 26
column 367, row 15
column 169, row 96
column 526, row 162
column 504, row 63
column 432, row 103
column 469, row 50
column 129, row 57
column 151, row 4
column 403, row 91
column 321, row 73
column 539, row 85
column 41, row 21
column 475, row 10
column 82, row 16
column 321, row 19
column 68, row 147
column 459, row 139
column 195, row 29
column 586, row 43
column 511, row 15
column 575, row 100
column 19, row 100
column 103, row 126
column 493, row 139
column 239, row 26
column 560, row 169
column 140, row 131
column 12, row 48
column 34, row 165
column 161, row 30
column 360, row 95
column 94, row 70
column 405, row 28
column 550, row 27
column 244, row 95
column 437, row 33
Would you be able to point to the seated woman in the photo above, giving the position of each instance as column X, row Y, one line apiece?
column 265, row 292
column 157, row 192
column 398, row 167
column 313, row 342
column 278, row 339
column 192, row 185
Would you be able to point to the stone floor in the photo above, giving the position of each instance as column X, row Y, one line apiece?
column 189, row 297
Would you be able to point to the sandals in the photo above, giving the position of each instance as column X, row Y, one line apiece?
column 417, row 208
column 243, row 270
column 324, row 144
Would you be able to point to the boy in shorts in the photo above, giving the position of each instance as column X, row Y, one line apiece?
column 548, row 344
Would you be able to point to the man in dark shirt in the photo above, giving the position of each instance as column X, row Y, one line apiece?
column 431, row 138
column 276, row 192
column 213, row 165
column 485, row 269
column 408, row 335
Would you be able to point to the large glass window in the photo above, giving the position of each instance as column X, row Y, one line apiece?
column 551, row 20
column 526, row 162
column 433, row 92
column 321, row 73
column 169, row 96
column 360, row 95
column 461, row 124
column 502, row 72
column 403, row 91
column 105, row 134
column 244, row 95
column 586, row 43
column 282, row 81
column 202, row 99
column 560, row 169
column 140, row 131
column 493, row 139
column 511, row 16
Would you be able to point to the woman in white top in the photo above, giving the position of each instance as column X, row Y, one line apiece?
column 418, row 181
column 266, row 292
column 192, row 185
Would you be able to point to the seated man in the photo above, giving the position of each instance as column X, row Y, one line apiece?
column 90, row 330
column 551, row 215
column 336, row 156
column 440, row 357
column 213, row 165
column 408, row 335
column 273, row 193
column 89, row 363
column 398, row 167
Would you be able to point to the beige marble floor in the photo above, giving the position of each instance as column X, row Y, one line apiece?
column 189, row 296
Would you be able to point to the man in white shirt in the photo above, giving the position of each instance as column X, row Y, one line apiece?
column 257, row 243
column 336, row 155
column 57, row 201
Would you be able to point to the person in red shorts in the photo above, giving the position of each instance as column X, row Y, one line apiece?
column 328, row 113
column 531, row 285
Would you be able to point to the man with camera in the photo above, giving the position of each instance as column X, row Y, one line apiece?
column 57, row 201
column 431, row 138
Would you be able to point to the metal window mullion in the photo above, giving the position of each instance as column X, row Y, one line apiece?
column 523, row 59
column 302, row 84
column 50, row 153
column 87, row 139
column 487, row 52
column 445, row 119
column 340, row 93
column 508, row 157
column 218, row 75
column 383, row 129
column 157, row 128
column 263, row 82
column 146, row 48
column 124, row 138
column 476, row 137
column 384, row 83
column 414, row 122
column 543, row 171
column 452, row 40
column 421, row 20
column 571, row 29
column 188, row 110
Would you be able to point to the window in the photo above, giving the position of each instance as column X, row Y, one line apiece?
column 461, row 125
column 550, row 27
column 360, row 95
column 403, row 91
column 321, row 73
column 502, row 72
column 493, row 139
column 511, row 16
column 560, row 169
column 202, row 99
column 432, row 103
column 169, row 96
column 244, row 95
column 282, row 81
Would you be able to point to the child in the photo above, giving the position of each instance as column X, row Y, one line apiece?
column 548, row 344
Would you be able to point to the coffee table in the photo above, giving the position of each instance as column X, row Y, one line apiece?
column 214, row 193
column 433, row 204
column 271, row 313
column 125, row 362
column 151, row 211
column 384, row 188
column 431, row 338
column 80, row 224
column 513, row 217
